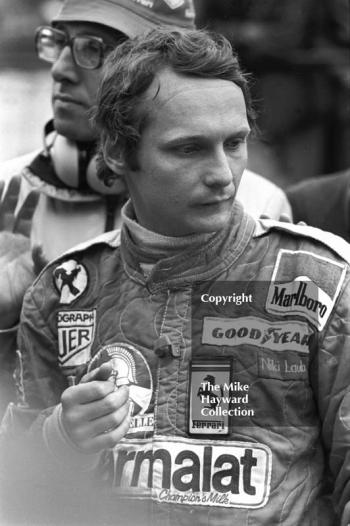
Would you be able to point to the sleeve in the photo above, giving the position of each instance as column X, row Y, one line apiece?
column 298, row 198
column 38, row 381
column 43, row 476
column 41, row 381
column 259, row 196
column 7, row 364
column 39, row 384
column 332, row 390
column 278, row 205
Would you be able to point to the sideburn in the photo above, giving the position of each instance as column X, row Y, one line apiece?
column 131, row 156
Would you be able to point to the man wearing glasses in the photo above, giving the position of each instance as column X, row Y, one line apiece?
column 53, row 195
column 74, row 205
column 193, row 368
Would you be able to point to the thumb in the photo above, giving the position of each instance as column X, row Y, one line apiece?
column 103, row 372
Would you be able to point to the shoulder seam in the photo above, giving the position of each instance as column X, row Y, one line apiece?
column 335, row 243
column 111, row 239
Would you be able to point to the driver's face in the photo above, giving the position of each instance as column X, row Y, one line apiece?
column 191, row 155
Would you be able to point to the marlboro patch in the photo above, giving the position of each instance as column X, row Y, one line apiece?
column 76, row 331
column 305, row 284
column 71, row 280
column 209, row 406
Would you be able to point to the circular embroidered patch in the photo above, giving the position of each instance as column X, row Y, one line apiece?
column 71, row 280
column 129, row 367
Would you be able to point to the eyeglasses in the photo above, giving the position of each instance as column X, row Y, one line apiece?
column 87, row 51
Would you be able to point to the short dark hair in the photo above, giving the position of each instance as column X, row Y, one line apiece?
column 130, row 69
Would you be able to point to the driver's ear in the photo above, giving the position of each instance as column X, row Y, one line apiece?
column 114, row 158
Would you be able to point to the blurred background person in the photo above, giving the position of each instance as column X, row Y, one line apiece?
column 24, row 81
column 323, row 202
column 52, row 194
column 24, row 96
column 298, row 54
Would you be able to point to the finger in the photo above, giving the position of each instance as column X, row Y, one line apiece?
column 13, row 245
column 107, row 405
column 107, row 440
column 108, row 423
column 85, row 393
column 103, row 372
column 23, row 221
column 19, row 277
column 80, row 430
column 9, row 203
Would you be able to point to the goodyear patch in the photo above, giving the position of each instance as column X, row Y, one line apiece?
column 194, row 472
column 305, row 284
column 130, row 368
column 250, row 330
column 71, row 280
column 76, row 332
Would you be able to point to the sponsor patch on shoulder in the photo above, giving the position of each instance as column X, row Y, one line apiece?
column 250, row 330
column 305, row 284
column 76, row 332
column 71, row 280
column 194, row 472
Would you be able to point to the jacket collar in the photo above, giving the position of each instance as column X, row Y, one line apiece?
column 203, row 261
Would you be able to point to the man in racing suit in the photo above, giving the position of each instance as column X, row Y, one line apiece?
column 56, row 188
column 195, row 369
column 53, row 195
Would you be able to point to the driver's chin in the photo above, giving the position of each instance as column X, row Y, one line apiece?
column 215, row 222
column 74, row 129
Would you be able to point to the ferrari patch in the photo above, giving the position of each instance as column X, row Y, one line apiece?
column 76, row 332
column 71, row 280
column 305, row 284
column 209, row 402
